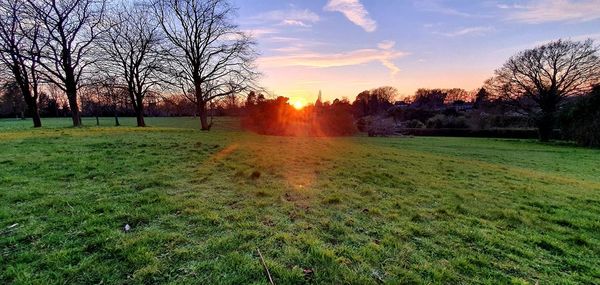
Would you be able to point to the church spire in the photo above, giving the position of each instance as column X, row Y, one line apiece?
column 319, row 102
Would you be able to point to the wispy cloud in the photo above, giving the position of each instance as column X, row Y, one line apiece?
column 510, row 6
column 386, row 45
column 386, row 61
column 354, row 11
column 289, row 17
column 290, row 45
column 468, row 31
column 556, row 10
column 384, row 54
column 437, row 7
column 289, row 22
column 260, row 32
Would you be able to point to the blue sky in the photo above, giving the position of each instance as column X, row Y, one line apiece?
column 345, row 46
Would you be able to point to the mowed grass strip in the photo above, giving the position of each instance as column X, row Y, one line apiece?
column 352, row 210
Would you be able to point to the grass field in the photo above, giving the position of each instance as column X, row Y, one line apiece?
column 353, row 210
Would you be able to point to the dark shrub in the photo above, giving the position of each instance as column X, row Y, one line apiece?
column 406, row 114
column 269, row 117
column 414, row 124
column 381, row 128
column 580, row 120
column 333, row 120
column 489, row 133
column 362, row 124
column 481, row 120
column 446, row 122
column 510, row 121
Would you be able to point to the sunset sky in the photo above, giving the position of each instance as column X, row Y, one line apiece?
column 344, row 46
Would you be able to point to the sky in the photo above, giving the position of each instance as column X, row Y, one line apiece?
column 342, row 47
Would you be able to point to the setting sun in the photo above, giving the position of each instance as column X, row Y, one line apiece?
column 298, row 103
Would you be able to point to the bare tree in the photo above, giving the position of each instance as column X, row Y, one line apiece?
column 105, row 93
column 132, row 51
column 70, row 27
column 455, row 95
column 19, row 52
column 114, row 95
column 538, row 80
column 375, row 101
column 385, row 93
column 211, row 57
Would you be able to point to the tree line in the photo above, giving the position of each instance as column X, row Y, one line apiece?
column 137, row 48
column 277, row 117
column 551, row 87
column 554, row 86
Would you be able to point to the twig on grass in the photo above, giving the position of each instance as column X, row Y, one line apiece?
column 9, row 229
column 265, row 266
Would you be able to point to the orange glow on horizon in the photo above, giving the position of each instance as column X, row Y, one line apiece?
column 298, row 103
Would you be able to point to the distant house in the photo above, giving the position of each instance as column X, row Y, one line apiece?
column 461, row 106
column 401, row 105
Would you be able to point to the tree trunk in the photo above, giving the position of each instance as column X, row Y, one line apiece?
column 140, row 119
column 203, row 114
column 37, row 121
column 75, row 115
column 34, row 111
column 138, row 107
column 546, row 126
column 71, row 89
column 139, row 113
column 116, row 114
column 30, row 100
column 32, row 105
column 546, row 120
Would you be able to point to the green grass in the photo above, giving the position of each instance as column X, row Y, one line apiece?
column 353, row 210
